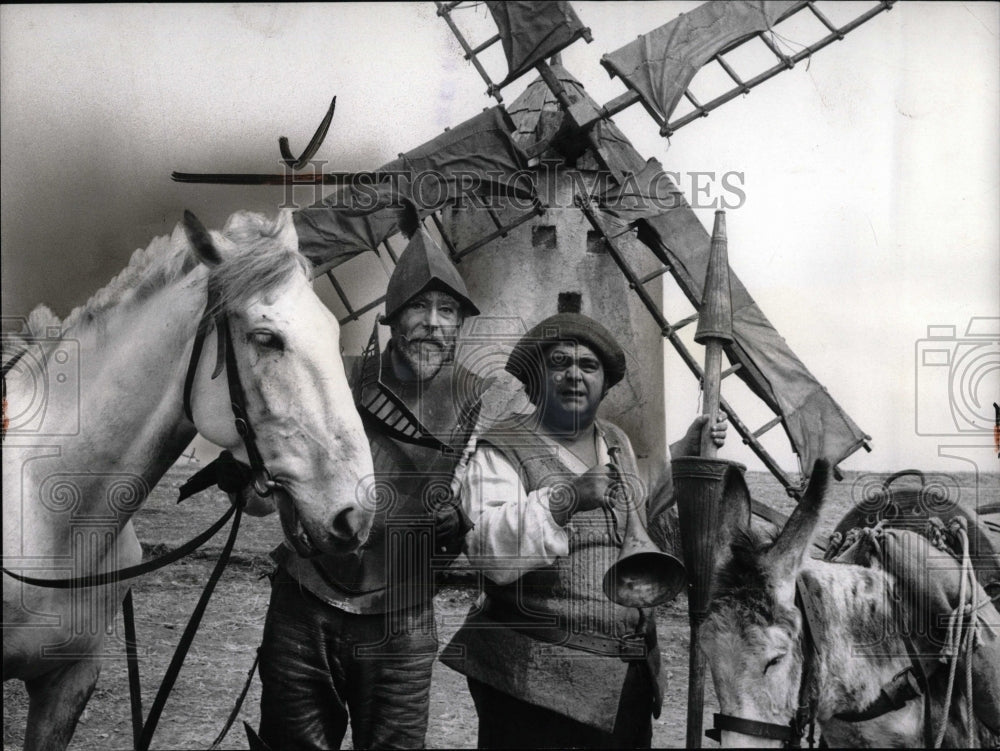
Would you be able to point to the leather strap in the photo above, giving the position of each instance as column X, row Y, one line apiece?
column 902, row 688
column 187, row 637
column 262, row 482
column 226, row 472
column 134, row 687
column 129, row 572
column 805, row 714
column 755, row 728
column 239, row 703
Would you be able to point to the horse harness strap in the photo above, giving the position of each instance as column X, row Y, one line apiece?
column 770, row 730
column 257, row 475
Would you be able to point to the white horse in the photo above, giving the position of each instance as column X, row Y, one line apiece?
column 96, row 416
column 768, row 660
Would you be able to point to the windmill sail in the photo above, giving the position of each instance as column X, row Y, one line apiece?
column 477, row 157
column 530, row 32
column 660, row 65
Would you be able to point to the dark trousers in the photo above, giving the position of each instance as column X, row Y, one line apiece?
column 320, row 666
column 507, row 722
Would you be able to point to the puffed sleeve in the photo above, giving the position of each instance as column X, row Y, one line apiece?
column 514, row 531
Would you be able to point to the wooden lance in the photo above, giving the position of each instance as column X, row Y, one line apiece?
column 715, row 326
column 700, row 481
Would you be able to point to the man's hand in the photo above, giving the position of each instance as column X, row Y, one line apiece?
column 690, row 444
column 588, row 491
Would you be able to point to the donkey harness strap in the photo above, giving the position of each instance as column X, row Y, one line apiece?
column 805, row 714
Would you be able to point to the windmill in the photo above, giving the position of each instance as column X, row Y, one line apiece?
column 617, row 223
column 594, row 217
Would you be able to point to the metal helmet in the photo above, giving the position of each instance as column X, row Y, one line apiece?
column 424, row 266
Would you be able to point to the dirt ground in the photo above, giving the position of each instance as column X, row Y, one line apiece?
column 222, row 653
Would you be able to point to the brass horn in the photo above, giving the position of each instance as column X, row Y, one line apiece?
column 643, row 575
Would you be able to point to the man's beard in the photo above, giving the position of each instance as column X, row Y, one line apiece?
column 424, row 356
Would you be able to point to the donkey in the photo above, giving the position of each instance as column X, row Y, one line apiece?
column 777, row 670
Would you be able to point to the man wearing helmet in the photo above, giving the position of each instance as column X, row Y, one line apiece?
column 351, row 637
column 550, row 660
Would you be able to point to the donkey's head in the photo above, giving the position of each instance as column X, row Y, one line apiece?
column 752, row 636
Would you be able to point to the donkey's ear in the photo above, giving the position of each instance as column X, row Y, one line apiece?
column 785, row 556
column 200, row 239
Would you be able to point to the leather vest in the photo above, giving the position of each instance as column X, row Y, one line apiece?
column 507, row 640
column 395, row 569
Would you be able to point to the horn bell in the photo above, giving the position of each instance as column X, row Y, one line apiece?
column 643, row 576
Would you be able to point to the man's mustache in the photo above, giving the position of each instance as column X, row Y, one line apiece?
column 439, row 341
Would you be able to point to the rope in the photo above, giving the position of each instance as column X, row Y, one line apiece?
column 953, row 645
column 971, row 635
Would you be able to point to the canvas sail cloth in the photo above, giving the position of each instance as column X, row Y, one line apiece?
column 644, row 196
column 533, row 31
column 477, row 157
column 660, row 65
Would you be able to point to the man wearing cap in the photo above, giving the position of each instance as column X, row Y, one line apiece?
column 550, row 660
column 352, row 637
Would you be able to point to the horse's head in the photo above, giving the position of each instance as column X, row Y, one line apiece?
column 752, row 636
column 286, row 345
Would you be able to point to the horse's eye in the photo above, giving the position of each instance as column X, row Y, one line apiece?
column 773, row 661
column 267, row 339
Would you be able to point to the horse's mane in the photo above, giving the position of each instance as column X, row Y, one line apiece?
column 258, row 254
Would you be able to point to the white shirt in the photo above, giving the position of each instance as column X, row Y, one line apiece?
column 514, row 530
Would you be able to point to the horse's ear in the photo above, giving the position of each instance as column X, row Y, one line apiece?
column 288, row 236
column 784, row 558
column 200, row 239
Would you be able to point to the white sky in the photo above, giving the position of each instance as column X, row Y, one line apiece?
column 871, row 174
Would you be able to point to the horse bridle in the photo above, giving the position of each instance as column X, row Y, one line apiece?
column 804, row 719
column 226, row 471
